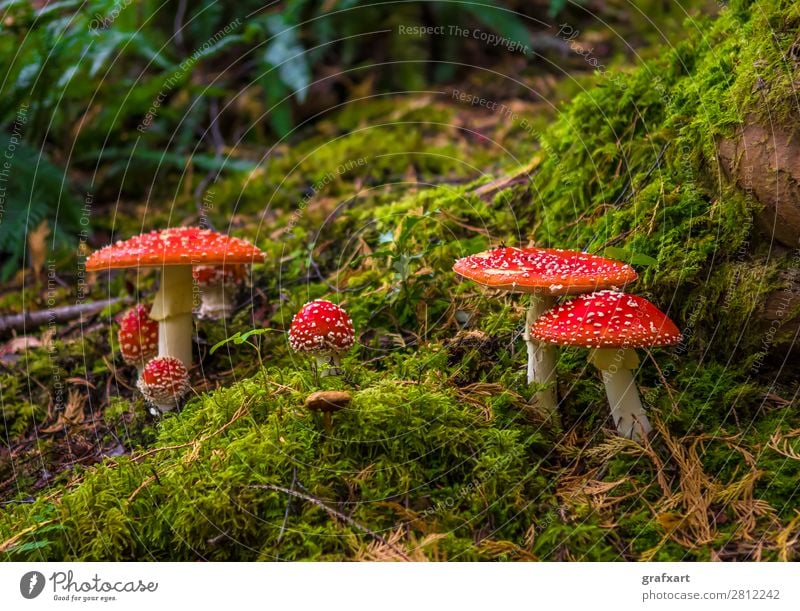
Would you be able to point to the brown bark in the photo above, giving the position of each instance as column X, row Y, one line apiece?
column 765, row 162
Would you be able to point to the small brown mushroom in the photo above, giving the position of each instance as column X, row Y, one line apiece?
column 327, row 402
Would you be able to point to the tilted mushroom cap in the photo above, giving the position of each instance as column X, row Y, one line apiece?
column 551, row 271
column 206, row 275
column 327, row 400
column 606, row 319
column 138, row 336
column 164, row 381
column 176, row 246
column 321, row 327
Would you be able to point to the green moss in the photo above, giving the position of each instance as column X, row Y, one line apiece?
column 440, row 458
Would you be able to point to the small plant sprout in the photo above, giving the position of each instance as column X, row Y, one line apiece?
column 164, row 382
column 327, row 402
column 544, row 273
column 323, row 330
column 174, row 252
column 138, row 337
column 613, row 325
column 218, row 284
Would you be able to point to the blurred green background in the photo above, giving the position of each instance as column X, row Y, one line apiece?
column 105, row 98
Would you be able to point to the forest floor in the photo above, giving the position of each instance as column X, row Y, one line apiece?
column 443, row 454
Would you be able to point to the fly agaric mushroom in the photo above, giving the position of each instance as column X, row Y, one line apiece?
column 545, row 273
column 217, row 289
column 327, row 402
column 612, row 324
column 138, row 337
column 175, row 251
column 324, row 330
column 164, row 382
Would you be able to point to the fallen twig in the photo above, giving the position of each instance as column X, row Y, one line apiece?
column 624, row 195
column 520, row 177
column 9, row 543
column 286, row 513
column 37, row 318
column 196, row 442
column 336, row 514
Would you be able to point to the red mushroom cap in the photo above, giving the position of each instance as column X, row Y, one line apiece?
column 164, row 381
column 176, row 246
column 544, row 270
column 138, row 336
column 321, row 327
column 206, row 275
column 606, row 319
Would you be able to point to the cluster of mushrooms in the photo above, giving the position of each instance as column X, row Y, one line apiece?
column 611, row 323
column 157, row 339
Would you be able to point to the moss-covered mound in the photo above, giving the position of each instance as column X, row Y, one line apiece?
column 633, row 163
column 441, row 455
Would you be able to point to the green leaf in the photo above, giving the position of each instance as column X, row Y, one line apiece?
column 502, row 21
column 31, row 546
column 640, row 259
column 38, row 191
column 280, row 112
column 287, row 53
column 240, row 338
column 204, row 162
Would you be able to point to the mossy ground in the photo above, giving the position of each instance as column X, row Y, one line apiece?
column 442, row 453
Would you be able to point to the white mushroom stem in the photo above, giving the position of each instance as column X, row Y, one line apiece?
column 164, row 406
column 172, row 308
column 328, row 365
column 541, row 357
column 615, row 364
column 217, row 300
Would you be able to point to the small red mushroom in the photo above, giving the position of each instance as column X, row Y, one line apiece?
column 545, row 273
column 612, row 324
column 324, row 330
column 164, row 382
column 217, row 289
column 138, row 337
